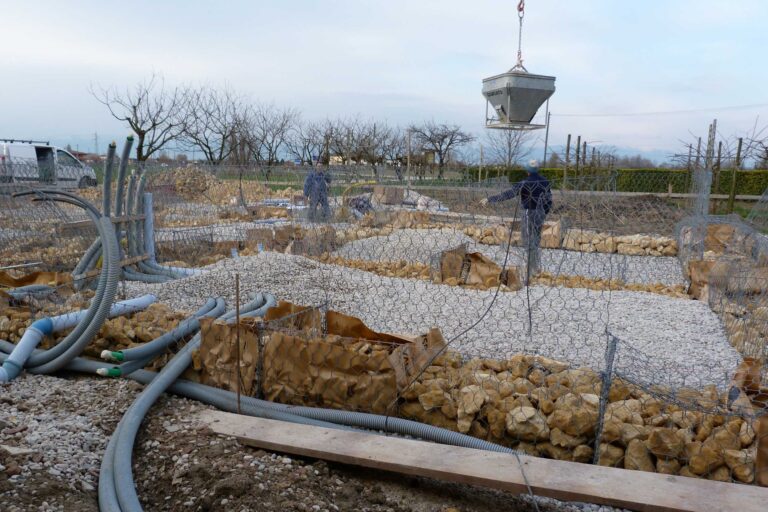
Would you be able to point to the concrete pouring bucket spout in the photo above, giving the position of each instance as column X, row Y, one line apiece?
column 515, row 97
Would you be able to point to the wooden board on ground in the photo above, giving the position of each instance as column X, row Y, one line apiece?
column 568, row 481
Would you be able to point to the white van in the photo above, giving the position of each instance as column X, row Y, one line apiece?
column 35, row 163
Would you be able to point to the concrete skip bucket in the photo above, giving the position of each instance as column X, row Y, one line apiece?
column 515, row 97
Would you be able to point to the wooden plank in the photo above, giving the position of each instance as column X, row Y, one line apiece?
column 123, row 263
column 126, row 218
column 561, row 480
column 69, row 227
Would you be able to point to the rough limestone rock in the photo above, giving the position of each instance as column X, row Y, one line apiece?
column 741, row 464
column 527, row 424
column 638, row 457
column 610, row 455
column 575, row 415
column 665, row 442
column 668, row 466
column 563, row 440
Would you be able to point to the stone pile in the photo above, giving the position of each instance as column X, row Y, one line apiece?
column 553, row 236
column 544, row 408
column 417, row 270
column 631, row 245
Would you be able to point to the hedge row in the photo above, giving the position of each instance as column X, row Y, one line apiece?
column 751, row 183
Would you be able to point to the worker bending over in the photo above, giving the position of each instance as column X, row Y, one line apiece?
column 536, row 199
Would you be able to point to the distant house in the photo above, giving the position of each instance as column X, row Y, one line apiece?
column 88, row 158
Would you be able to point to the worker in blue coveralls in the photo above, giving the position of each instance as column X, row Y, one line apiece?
column 536, row 199
column 316, row 187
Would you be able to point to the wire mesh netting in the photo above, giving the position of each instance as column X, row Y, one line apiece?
column 597, row 329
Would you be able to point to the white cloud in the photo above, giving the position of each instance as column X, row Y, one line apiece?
column 402, row 60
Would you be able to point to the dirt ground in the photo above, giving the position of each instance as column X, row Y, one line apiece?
column 183, row 466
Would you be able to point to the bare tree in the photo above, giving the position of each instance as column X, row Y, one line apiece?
column 150, row 110
column 347, row 139
column 508, row 147
column 441, row 139
column 395, row 150
column 307, row 140
column 270, row 129
column 212, row 122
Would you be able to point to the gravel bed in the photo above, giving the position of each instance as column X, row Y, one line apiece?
column 683, row 337
column 65, row 425
column 224, row 232
column 423, row 245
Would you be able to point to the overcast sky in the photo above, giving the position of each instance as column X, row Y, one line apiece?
column 399, row 60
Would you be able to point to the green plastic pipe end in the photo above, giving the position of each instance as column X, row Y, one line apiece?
column 108, row 355
column 109, row 372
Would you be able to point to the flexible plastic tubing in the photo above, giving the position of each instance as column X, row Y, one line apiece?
column 129, row 211
column 149, row 243
column 119, row 194
column 269, row 302
column 213, row 308
column 139, row 210
column 122, row 471
column 97, row 317
column 45, row 326
column 144, row 274
column 106, row 204
column 91, row 256
column 132, row 275
column 96, row 303
column 37, row 290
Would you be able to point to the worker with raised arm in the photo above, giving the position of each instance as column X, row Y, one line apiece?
column 536, row 200
column 316, row 187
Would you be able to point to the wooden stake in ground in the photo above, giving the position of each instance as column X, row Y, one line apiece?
column 237, row 335
column 732, row 194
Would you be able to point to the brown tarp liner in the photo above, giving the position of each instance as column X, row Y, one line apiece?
column 474, row 269
column 351, row 367
column 218, row 355
column 761, row 460
column 47, row 278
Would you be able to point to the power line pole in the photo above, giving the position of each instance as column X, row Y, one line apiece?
column 480, row 174
column 567, row 161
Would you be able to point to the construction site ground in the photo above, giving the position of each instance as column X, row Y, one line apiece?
column 64, row 423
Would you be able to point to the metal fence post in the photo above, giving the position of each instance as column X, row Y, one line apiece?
column 607, row 380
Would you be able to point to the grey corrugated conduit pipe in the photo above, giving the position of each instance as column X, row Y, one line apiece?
column 122, row 471
column 149, row 242
column 138, row 210
column 138, row 357
column 91, row 256
column 112, row 268
column 35, row 290
column 120, row 190
column 128, row 273
column 105, row 234
column 20, row 352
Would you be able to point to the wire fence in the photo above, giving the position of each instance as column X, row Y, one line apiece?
column 618, row 328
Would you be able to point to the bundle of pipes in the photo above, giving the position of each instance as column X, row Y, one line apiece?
column 132, row 202
column 117, row 490
column 85, row 323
